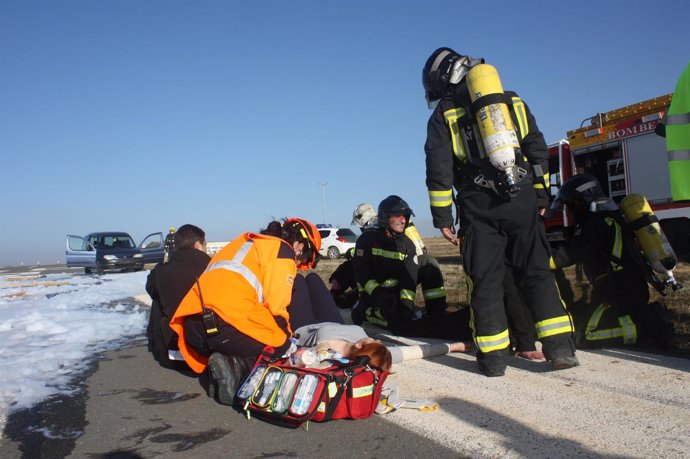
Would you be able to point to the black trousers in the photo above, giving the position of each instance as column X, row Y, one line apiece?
column 522, row 333
column 431, row 280
column 496, row 232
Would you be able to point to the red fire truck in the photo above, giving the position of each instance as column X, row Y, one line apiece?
column 621, row 149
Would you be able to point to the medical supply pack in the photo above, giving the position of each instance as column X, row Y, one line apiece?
column 281, row 393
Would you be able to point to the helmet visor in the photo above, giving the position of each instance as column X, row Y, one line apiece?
column 461, row 67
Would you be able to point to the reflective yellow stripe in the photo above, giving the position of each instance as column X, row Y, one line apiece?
column 521, row 115
column 552, row 264
column 493, row 342
column 375, row 317
column 555, row 326
column 452, row 117
column 363, row 391
column 540, row 185
column 390, row 283
column 434, row 293
column 332, row 389
column 617, row 250
column 388, row 254
column 406, row 295
column 627, row 330
column 441, row 198
column 370, row 286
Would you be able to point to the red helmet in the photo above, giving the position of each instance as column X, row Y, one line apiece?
column 310, row 237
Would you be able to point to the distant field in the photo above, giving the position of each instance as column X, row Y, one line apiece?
column 678, row 303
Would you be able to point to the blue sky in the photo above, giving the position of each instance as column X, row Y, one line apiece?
column 139, row 115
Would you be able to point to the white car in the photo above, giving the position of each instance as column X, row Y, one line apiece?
column 336, row 241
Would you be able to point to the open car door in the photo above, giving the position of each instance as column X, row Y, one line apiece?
column 79, row 253
column 153, row 248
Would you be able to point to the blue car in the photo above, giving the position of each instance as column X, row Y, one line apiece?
column 112, row 250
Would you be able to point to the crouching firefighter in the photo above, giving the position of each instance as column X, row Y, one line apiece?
column 604, row 243
column 485, row 143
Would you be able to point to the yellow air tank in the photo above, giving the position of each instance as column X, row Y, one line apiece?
column 653, row 243
column 495, row 124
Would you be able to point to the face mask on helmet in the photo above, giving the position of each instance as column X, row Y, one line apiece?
column 444, row 68
column 578, row 193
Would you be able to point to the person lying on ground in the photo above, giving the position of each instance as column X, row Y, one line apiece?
column 352, row 341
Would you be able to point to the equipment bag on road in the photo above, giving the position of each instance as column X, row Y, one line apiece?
column 286, row 395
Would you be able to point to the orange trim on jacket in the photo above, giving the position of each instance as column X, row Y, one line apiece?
column 233, row 285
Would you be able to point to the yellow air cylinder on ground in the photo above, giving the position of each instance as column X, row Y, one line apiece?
column 653, row 242
column 495, row 124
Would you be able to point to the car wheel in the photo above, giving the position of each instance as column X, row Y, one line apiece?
column 333, row 253
column 99, row 268
column 87, row 270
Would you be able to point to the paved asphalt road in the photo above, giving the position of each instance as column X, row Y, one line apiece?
column 619, row 403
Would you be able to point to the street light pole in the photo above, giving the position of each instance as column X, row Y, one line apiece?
column 323, row 197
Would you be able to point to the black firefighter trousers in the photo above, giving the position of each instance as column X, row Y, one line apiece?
column 495, row 233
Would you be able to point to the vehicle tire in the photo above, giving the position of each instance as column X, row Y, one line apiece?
column 99, row 269
column 333, row 253
column 87, row 270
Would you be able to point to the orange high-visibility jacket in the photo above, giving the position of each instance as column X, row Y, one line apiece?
column 248, row 284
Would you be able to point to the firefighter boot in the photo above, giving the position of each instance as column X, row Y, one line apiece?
column 560, row 351
column 226, row 373
column 492, row 364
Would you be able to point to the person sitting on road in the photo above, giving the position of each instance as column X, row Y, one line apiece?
column 167, row 284
column 386, row 271
column 429, row 274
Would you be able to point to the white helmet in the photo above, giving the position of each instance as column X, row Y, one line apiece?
column 364, row 215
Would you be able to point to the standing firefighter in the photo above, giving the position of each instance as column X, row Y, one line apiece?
column 485, row 143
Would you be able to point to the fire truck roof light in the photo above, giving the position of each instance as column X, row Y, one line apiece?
column 593, row 132
column 652, row 117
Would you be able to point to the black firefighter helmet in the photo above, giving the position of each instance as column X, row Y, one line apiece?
column 444, row 68
column 578, row 193
column 391, row 206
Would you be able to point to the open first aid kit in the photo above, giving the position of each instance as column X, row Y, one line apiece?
column 281, row 393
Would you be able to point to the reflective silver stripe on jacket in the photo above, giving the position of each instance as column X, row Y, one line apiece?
column 235, row 265
column 679, row 155
column 680, row 118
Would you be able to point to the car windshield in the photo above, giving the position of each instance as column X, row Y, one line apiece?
column 113, row 242
column 347, row 234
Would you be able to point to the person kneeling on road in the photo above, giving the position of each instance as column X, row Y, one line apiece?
column 242, row 303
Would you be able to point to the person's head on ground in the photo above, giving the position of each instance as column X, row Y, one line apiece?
column 302, row 235
column 379, row 355
column 582, row 193
column 444, row 70
column 393, row 215
column 190, row 237
column 364, row 215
